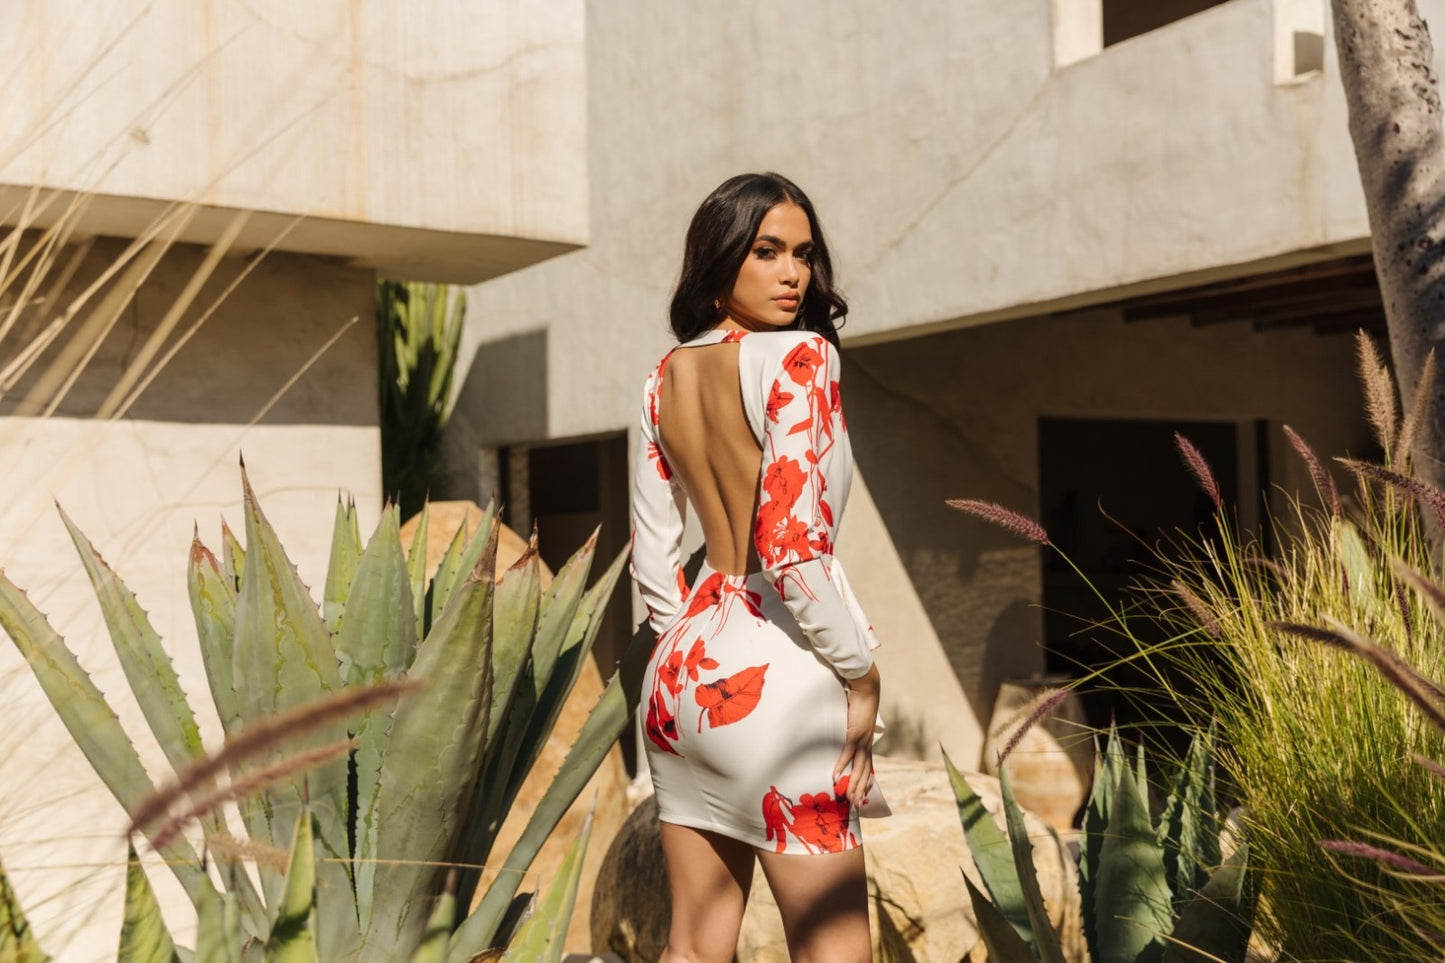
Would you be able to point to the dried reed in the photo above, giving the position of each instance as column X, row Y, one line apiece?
column 1324, row 484
column 1199, row 467
column 1380, row 404
column 1005, row 518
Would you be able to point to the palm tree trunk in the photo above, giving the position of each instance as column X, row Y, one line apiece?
column 1386, row 66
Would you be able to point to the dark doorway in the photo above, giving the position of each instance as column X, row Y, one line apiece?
column 1129, row 18
column 1108, row 491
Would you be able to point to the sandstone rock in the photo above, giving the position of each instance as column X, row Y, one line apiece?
column 1051, row 768
column 914, row 858
column 608, row 787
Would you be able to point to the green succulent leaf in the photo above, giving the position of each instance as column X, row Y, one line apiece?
column 1108, row 770
column 431, row 764
column 17, row 941
column 992, row 854
column 143, row 934
column 1359, row 570
column 147, row 667
column 293, row 934
column 218, row 930
column 90, row 720
column 213, row 603
column 459, row 559
column 1003, row 943
column 416, row 569
column 233, row 556
column 603, row 727
column 1188, row 833
column 284, row 652
column 1216, row 924
column 1046, row 941
column 540, row 939
column 377, row 641
column 341, row 568
column 1132, row 908
column 433, row 948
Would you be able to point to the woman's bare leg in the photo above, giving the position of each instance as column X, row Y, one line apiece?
column 710, row 876
column 824, row 904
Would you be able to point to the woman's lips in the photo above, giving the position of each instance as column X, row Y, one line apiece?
column 788, row 300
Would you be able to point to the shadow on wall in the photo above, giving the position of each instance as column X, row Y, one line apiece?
column 972, row 582
column 502, row 401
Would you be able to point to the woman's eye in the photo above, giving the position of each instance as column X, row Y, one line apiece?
column 763, row 252
column 806, row 256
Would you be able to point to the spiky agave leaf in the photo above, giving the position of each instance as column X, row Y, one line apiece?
column 17, row 941
column 1109, row 769
column 992, row 854
column 341, row 567
column 213, row 604
column 293, row 929
column 430, row 766
column 1188, row 830
column 218, row 930
column 540, row 939
column 603, row 727
column 433, row 948
column 147, row 667
column 377, row 641
column 143, row 934
column 1132, row 906
column 1046, row 939
column 283, row 650
column 90, row 720
column 1000, row 939
column 416, row 569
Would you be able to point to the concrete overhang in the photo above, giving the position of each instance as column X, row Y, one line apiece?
column 428, row 140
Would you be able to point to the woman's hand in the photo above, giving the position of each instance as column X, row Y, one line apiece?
column 856, row 760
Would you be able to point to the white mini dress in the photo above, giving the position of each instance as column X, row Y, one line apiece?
column 745, row 708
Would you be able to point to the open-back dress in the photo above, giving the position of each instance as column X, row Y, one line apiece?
column 746, row 709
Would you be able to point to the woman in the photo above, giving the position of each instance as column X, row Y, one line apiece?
column 762, row 695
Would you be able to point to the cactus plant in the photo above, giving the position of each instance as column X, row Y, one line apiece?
column 1150, row 893
column 428, row 781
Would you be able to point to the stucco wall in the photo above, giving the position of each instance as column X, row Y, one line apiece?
column 137, row 487
column 424, row 137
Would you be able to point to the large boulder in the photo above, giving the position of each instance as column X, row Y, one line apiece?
column 608, row 786
column 914, row 858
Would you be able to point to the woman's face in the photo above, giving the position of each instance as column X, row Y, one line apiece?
column 774, row 277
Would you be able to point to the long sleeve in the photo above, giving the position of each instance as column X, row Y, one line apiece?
column 658, row 514
column 807, row 467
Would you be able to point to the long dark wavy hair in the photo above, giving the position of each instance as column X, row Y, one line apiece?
column 718, row 241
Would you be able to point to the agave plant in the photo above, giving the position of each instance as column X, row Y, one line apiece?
column 373, row 834
column 1149, row 891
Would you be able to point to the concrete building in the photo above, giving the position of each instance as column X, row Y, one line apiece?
column 1067, row 228
column 294, row 151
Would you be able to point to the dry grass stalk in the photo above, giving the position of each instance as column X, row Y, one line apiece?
column 231, row 849
column 1389, row 858
column 1419, row 411
column 1197, row 608
column 1429, row 765
column 1423, row 491
column 1032, row 713
column 265, row 736
column 1380, row 403
column 1402, row 602
column 1427, row 697
column 252, row 782
column 1318, row 473
column 1005, row 518
column 1433, row 594
column 1198, row 467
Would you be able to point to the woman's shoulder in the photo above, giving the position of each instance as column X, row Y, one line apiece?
column 773, row 348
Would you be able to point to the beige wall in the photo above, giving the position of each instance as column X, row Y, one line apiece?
column 422, row 137
column 137, row 487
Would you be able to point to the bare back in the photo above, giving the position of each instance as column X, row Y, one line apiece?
column 705, row 437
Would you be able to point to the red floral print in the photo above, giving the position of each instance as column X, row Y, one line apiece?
column 777, row 400
column 819, row 821
column 728, row 700
column 655, row 454
column 801, row 363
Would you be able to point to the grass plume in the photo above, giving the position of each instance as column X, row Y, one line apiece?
column 1428, row 495
column 1419, row 411
column 1320, row 475
column 1005, row 518
column 1381, row 407
column 1198, row 466
column 1030, row 714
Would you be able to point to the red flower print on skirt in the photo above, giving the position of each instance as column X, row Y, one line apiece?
column 817, row 820
column 728, row 700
